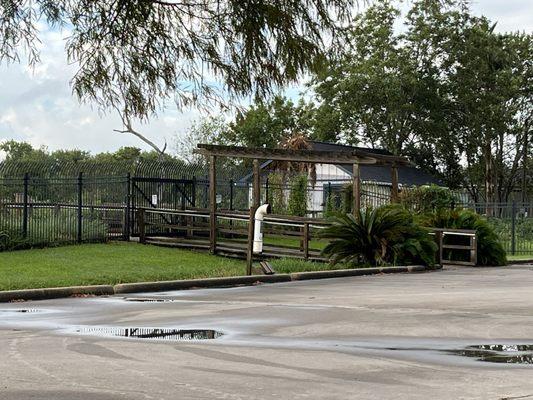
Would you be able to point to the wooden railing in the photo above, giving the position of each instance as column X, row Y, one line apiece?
column 283, row 236
column 440, row 236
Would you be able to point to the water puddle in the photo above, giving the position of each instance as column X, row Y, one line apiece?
column 147, row 300
column 20, row 310
column 152, row 333
column 498, row 353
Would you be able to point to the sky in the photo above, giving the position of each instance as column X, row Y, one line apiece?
column 37, row 105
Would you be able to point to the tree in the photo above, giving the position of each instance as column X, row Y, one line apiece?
column 70, row 155
column 375, row 93
column 268, row 124
column 448, row 92
column 22, row 151
column 132, row 55
column 207, row 130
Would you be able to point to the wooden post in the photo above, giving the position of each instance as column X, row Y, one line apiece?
column 257, row 184
column 250, row 248
column 251, row 221
column 473, row 252
column 356, row 187
column 212, row 205
column 441, row 244
column 142, row 227
column 394, row 182
column 306, row 241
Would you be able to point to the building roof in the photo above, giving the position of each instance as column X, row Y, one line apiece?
column 408, row 175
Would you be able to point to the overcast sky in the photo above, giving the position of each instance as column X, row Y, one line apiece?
column 38, row 106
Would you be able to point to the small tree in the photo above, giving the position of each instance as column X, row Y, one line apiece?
column 298, row 196
column 276, row 196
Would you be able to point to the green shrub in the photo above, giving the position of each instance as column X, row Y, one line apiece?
column 276, row 197
column 46, row 228
column 427, row 198
column 12, row 240
column 524, row 228
column 377, row 236
column 489, row 248
column 339, row 202
column 298, row 196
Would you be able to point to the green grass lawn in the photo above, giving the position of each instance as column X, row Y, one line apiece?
column 120, row 262
column 519, row 257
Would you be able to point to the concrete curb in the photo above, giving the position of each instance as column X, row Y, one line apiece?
column 519, row 262
column 339, row 273
column 199, row 283
column 52, row 293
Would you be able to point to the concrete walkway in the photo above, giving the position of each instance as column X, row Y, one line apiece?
column 372, row 337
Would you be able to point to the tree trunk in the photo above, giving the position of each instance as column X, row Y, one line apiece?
column 489, row 178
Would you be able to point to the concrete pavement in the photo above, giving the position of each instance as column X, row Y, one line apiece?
column 372, row 337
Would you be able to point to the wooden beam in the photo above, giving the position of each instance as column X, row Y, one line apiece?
column 250, row 244
column 356, row 186
column 256, row 188
column 212, row 205
column 307, row 156
column 394, row 182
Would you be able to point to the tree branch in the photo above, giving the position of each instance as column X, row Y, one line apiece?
column 129, row 129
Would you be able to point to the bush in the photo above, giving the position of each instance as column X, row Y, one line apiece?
column 489, row 249
column 276, row 197
column 339, row 202
column 524, row 228
column 46, row 228
column 377, row 236
column 427, row 198
column 298, row 196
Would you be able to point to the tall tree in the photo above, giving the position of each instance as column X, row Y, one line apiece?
column 268, row 124
column 448, row 92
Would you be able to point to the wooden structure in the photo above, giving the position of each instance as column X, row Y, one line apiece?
column 471, row 247
column 355, row 157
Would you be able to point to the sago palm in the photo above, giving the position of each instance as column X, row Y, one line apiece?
column 378, row 236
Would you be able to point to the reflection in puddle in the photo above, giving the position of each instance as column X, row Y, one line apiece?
column 152, row 333
column 498, row 353
column 147, row 300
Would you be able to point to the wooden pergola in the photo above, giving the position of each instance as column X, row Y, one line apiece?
column 353, row 157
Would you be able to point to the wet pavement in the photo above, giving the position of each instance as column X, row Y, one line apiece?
column 460, row 333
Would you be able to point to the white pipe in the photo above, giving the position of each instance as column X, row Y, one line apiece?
column 258, row 235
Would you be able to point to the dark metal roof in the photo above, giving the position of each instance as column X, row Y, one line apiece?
column 408, row 175
column 325, row 146
column 348, row 155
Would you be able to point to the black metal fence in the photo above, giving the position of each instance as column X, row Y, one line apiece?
column 55, row 204
column 36, row 211
column 513, row 223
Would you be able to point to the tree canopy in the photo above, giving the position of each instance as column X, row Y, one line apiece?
column 133, row 55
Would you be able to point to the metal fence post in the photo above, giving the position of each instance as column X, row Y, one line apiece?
column 80, row 205
column 25, row 206
column 231, row 195
column 126, row 230
column 193, row 194
column 513, row 228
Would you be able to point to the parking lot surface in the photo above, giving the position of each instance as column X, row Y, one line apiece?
column 400, row 336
